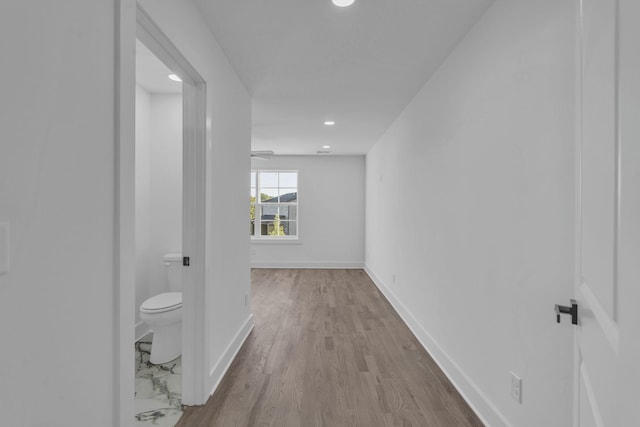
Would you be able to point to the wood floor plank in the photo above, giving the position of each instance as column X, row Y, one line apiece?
column 328, row 350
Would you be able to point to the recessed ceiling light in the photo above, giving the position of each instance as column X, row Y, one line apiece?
column 175, row 77
column 329, row 123
column 326, row 147
column 343, row 3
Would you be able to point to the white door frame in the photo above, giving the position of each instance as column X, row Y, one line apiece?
column 193, row 202
column 124, row 213
column 134, row 22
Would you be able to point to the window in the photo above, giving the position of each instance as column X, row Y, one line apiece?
column 274, row 204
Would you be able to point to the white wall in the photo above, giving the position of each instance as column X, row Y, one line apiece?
column 57, row 309
column 331, row 214
column 469, row 227
column 57, row 192
column 158, row 190
column 228, row 165
column 166, row 185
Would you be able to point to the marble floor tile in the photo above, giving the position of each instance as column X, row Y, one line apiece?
column 158, row 388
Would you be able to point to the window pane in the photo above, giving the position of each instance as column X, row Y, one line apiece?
column 283, row 212
column 287, row 228
column 268, row 179
column 268, row 213
column 289, row 179
column 290, row 227
column 288, row 212
column 271, row 229
column 269, row 195
column 275, row 220
column 252, row 228
column 288, row 195
column 281, row 228
column 253, row 179
column 252, row 194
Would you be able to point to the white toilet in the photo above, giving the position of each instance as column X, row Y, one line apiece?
column 163, row 314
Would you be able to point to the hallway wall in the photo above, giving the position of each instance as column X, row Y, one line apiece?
column 57, row 194
column 58, row 308
column 228, row 318
column 469, row 202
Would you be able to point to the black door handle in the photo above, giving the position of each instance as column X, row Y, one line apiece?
column 563, row 309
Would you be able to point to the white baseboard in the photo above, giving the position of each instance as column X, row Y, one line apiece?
column 222, row 365
column 471, row 393
column 142, row 329
column 308, row 264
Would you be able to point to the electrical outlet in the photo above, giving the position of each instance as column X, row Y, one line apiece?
column 516, row 388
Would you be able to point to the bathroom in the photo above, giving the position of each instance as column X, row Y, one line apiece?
column 158, row 233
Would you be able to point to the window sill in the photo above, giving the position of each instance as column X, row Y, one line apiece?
column 259, row 241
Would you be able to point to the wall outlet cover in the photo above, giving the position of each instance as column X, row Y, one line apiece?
column 516, row 388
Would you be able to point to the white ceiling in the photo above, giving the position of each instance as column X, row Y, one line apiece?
column 152, row 74
column 307, row 61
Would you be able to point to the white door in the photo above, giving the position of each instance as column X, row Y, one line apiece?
column 606, row 198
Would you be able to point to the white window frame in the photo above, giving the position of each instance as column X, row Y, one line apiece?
column 259, row 204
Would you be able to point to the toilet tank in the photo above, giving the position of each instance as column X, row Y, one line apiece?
column 173, row 265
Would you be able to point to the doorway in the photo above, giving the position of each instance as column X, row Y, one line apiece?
column 193, row 212
column 193, row 202
column 158, row 235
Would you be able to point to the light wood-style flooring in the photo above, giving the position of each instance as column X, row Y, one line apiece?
column 329, row 350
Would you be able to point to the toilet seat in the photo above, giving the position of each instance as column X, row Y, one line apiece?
column 162, row 303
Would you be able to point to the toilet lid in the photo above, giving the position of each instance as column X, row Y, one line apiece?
column 163, row 302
